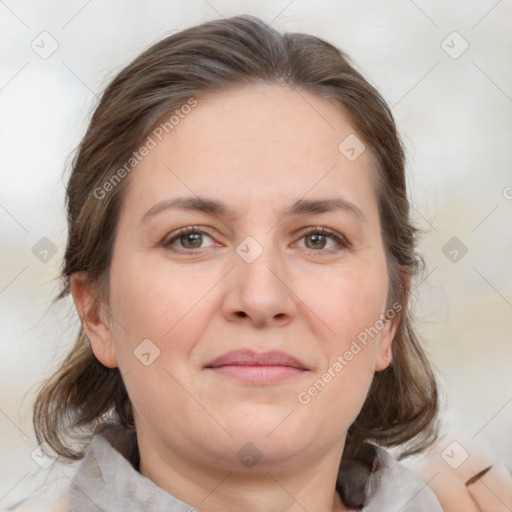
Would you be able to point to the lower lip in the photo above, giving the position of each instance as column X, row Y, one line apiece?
column 259, row 374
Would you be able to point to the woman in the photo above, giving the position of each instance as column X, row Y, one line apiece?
column 240, row 255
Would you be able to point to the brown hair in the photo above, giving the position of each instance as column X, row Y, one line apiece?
column 83, row 395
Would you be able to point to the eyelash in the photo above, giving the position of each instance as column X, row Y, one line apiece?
column 340, row 240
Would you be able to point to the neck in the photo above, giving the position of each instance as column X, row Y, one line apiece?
column 210, row 489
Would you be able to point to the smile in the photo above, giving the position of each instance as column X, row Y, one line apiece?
column 263, row 368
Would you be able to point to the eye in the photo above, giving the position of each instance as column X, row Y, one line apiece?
column 189, row 239
column 318, row 238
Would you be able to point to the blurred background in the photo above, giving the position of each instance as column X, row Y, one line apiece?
column 443, row 69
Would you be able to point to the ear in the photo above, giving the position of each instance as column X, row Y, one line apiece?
column 94, row 316
column 385, row 355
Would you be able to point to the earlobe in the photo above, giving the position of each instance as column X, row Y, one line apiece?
column 95, row 320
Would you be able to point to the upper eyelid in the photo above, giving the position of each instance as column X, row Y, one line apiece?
column 185, row 230
column 326, row 232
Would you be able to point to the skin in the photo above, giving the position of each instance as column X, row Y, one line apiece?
column 455, row 486
column 258, row 150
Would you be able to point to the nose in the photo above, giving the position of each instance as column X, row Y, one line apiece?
column 260, row 293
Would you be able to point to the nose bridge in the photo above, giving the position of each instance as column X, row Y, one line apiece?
column 258, row 265
column 257, row 286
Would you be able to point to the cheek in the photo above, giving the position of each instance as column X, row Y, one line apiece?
column 351, row 305
column 151, row 301
column 351, row 302
column 158, row 318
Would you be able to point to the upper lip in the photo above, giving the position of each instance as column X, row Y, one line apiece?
column 251, row 358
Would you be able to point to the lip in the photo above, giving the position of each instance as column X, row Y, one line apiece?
column 258, row 368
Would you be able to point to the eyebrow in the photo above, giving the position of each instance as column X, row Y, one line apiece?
column 217, row 208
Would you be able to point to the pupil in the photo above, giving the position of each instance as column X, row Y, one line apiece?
column 191, row 240
column 315, row 239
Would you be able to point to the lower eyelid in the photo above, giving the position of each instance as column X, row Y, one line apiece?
column 339, row 244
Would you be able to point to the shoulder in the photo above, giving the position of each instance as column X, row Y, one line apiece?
column 465, row 474
column 399, row 488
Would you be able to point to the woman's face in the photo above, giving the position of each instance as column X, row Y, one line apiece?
column 250, row 233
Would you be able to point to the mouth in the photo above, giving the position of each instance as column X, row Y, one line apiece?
column 258, row 368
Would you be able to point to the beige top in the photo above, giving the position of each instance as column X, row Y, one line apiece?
column 107, row 481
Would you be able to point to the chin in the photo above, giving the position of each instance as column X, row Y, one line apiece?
column 257, row 452
column 276, row 431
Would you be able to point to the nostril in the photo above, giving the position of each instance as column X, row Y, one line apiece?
column 241, row 314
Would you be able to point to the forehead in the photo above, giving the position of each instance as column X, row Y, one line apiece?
column 267, row 141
